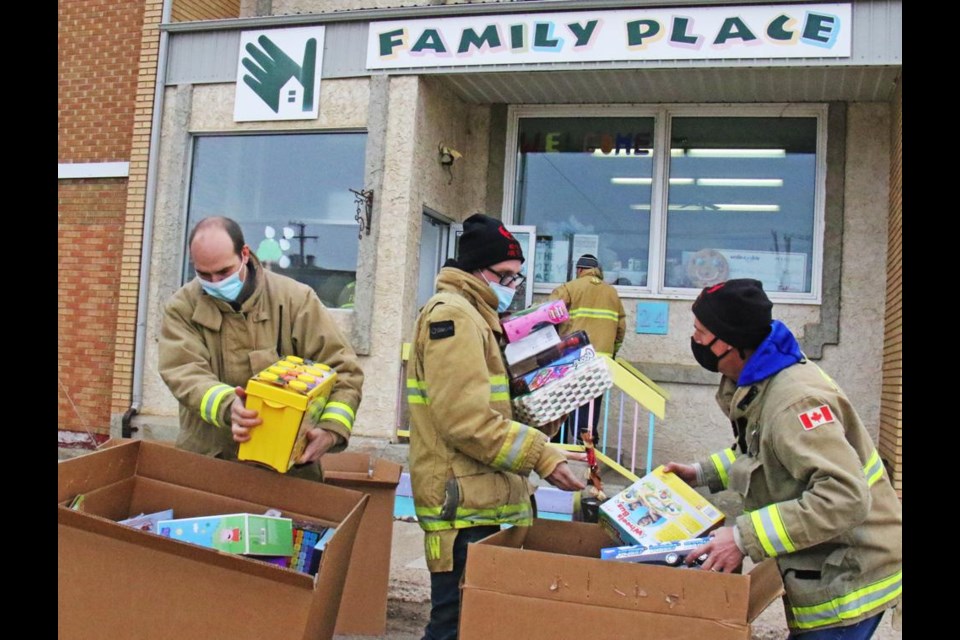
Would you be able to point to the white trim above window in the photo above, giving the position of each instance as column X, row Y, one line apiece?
column 730, row 199
column 78, row 170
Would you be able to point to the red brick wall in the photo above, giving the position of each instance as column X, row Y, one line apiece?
column 89, row 237
column 891, row 399
column 98, row 52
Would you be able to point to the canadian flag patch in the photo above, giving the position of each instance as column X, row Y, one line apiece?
column 816, row 417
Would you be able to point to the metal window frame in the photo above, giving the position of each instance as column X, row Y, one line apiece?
column 663, row 115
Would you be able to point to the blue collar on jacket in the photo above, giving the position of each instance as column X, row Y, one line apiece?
column 777, row 352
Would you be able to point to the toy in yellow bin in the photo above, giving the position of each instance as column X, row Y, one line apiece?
column 281, row 394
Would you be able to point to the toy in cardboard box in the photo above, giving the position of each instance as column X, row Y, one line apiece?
column 242, row 533
column 522, row 323
column 588, row 380
column 671, row 554
column 659, row 507
column 281, row 394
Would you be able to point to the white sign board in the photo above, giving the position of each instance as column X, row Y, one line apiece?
column 278, row 74
column 667, row 33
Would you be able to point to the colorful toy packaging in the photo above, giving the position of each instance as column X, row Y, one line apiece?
column 241, row 533
column 671, row 554
column 532, row 344
column 567, row 344
column 281, row 394
column 556, row 370
column 659, row 507
column 559, row 397
column 523, row 323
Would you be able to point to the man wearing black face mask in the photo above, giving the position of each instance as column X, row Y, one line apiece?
column 814, row 488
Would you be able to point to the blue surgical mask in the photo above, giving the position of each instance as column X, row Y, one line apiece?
column 504, row 295
column 227, row 289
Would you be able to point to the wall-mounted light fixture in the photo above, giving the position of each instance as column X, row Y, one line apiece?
column 448, row 156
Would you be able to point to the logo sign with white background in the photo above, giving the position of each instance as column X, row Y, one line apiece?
column 278, row 74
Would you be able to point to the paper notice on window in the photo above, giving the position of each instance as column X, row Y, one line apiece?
column 585, row 243
column 778, row 271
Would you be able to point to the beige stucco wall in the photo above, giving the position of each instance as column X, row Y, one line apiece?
column 421, row 114
column 201, row 109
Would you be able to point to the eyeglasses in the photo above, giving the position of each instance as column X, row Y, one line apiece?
column 509, row 279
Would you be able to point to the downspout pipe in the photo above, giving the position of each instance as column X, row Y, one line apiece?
column 150, row 204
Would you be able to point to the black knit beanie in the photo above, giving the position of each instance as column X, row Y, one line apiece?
column 588, row 261
column 485, row 241
column 736, row 311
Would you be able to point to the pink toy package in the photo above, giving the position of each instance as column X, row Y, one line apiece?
column 523, row 323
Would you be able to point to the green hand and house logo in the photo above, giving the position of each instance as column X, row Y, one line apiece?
column 278, row 74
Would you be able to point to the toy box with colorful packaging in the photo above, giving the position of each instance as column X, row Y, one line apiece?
column 659, row 507
column 567, row 344
column 531, row 345
column 558, row 397
column 671, row 554
column 281, row 394
column 522, row 323
column 242, row 533
column 556, row 370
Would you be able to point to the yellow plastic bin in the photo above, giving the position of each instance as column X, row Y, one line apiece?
column 281, row 399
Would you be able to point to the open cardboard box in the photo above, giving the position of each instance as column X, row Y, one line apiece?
column 363, row 609
column 547, row 581
column 118, row 582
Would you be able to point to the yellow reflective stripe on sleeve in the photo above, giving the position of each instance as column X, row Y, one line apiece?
column 417, row 392
column 873, row 470
column 210, row 404
column 604, row 353
column 597, row 314
column 515, row 447
column 499, row 388
column 771, row 532
column 722, row 461
column 850, row 606
column 339, row 412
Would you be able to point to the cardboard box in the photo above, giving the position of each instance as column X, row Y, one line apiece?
column 547, row 582
column 659, row 507
column 363, row 610
column 118, row 582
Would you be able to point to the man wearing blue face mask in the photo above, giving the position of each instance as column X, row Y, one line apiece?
column 234, row 320
column 469, row 460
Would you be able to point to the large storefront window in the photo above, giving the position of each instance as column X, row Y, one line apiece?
column 290, row 194
column 585, row 184
column 730, row 196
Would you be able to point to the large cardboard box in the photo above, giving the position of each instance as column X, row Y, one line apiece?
column 119, row 582
column 363, row 610
column 547, row 581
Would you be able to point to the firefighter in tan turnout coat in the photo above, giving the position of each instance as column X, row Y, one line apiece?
column 815, row 491
column 469, row 460
column 233, row 320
